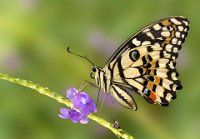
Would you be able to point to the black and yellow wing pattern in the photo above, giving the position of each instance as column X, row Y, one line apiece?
column 146, row 63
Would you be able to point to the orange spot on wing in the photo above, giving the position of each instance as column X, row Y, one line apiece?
column 153, row 96
column 144, row 70
column 151, row 71
column 166, row 23
column 153, row 64
column 172, row 34
column 168, row 39
column 157, row 80
column 150, row 85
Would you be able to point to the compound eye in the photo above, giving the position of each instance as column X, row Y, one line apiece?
column 94, row 69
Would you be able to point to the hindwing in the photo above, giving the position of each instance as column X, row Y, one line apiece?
column 145, row 64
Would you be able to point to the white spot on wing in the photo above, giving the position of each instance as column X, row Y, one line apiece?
column 160, row 38
column 157, row 27
column 168, row 97
column 164, row 28
column 186, row 23
column 180, row 28
column 156, row 47
column 175, row 21
column 150, row 35
column 174, row 87
column 166, row 83
column 173, row 75
column 185, row 29
column 179, row 42
column 171, row 65
column 136, row 42
column 178, row 34
column 170, row 28
column 167, row 55
column 165, row 33
column 174, row 41
column 168, row 47
column 146, row 30
column 146, row 43
column 161, row 73
column 159, row 91
column 175, row 49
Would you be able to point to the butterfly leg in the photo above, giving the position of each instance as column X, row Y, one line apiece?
column 97, row 101
column 102, row 103
column 85, row 83
column 116, row 126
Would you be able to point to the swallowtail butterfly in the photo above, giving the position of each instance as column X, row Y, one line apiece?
column 145, row 64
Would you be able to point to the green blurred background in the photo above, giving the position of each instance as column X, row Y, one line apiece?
column 34, row 35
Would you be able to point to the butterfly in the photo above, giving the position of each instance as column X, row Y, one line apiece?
column 145, row 64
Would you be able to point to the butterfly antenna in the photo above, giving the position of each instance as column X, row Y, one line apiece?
column 84, row 57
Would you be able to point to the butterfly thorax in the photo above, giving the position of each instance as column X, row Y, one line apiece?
column 102, row 79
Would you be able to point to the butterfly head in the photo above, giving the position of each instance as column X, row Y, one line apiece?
column 94, row 69
column 94, row 72
column 97, row 73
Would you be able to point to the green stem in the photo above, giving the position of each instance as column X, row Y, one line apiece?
column 60, row 99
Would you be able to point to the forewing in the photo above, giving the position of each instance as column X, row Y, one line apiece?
column 161, row 32
column 146, row 63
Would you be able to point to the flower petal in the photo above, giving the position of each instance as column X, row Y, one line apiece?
column 64, row 113
column 74, row 116
column 84, row 103
column 81, row 101
column 84, row 121
column 71, row 92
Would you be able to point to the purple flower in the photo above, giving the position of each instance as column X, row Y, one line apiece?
column 81, row 101
column 73, row 115
column 84, row 103
column 71, row 92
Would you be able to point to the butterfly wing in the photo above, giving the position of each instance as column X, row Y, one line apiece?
column 146, row 63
